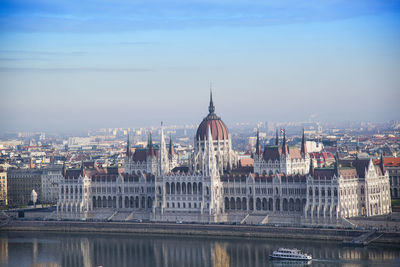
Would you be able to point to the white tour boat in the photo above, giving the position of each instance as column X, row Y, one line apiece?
column 290, row 254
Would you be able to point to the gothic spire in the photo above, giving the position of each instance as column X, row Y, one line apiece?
column 128, row 148
column 284, row 146
column 303, row 144
column 150, row 149
column 171, row 147
column 64, row 168
column 82, row 168
column 337, row 164
column 150, row 142
column 211, row 107
column 277, row 138
column 382, row 165
column 258, row 145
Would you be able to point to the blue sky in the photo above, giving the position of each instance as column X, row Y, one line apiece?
column 70, row 65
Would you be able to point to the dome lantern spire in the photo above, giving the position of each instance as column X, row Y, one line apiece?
column 211, row 107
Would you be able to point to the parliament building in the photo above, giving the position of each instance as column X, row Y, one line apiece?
column 283, row 186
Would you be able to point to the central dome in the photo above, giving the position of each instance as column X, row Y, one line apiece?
column 219, row 131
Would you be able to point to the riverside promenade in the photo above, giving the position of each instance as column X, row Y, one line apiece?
column 212, row 230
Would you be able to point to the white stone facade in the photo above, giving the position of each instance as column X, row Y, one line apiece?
column 214, row 189
column 51, row 178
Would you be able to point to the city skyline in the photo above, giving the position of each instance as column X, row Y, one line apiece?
column 68, row 66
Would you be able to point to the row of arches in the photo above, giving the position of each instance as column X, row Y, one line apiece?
column 71, row 189
column 323, row 211
column 322, row 191
column 129, row 202
column 183, row 188
column 265, row 204
column 73, row 207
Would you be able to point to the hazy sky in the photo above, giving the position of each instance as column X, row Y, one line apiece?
column 69, row 65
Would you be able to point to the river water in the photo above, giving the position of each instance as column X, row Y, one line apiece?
column 20, row 249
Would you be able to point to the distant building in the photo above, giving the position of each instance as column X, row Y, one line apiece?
column 3, row 188
column 313, row 146
column 392, row 166
column 322, row 159
column 20, row 183
column 50, row 180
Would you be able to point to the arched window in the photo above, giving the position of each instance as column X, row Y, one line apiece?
column 194, row 188
column 183, row 188
column 172, row 188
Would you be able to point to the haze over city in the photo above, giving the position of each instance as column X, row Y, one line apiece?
column 69, row 65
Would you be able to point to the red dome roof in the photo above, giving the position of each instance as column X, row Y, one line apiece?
column 219, row 131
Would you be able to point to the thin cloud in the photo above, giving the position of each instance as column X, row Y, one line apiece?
column 8, row 69
column 43, row 53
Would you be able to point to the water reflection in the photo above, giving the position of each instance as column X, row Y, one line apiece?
column 61, row 249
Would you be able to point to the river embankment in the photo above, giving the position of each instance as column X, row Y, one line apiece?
column 248, row 231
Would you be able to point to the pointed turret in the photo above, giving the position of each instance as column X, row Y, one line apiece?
column 128, row 149
column 358, row 145
column 284, row 146
column 64, row 168
column 382, row 164
column 163, row 153
column 258, row 145
column 211, row 167
column 311, row 171
column 150, row 142
column 303, row 144
column 150, row 149
column 336, row 166
column 82, row 169
column 277, row 138
column 211, row 107
column 171, row 151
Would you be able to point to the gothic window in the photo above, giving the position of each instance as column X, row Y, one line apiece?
column 194, row 188
column 172, row 188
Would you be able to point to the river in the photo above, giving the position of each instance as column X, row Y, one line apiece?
column 20, row 249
